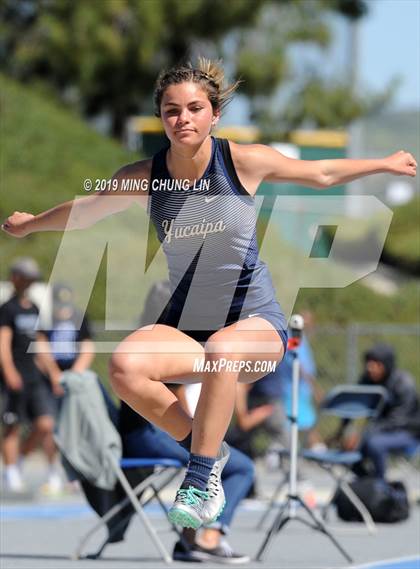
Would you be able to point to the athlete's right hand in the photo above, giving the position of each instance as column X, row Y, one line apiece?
column 17, row 224
column 13, row 380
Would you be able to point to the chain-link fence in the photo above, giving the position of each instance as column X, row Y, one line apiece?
column 338, row 350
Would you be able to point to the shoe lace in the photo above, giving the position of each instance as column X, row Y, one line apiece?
column 192, row 496
column 213, row 484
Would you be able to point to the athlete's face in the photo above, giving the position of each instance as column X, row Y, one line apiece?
column 187, row 114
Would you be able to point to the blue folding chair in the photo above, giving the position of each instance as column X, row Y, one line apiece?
column 91, row 448
column 345, row 402
column 413, row 452
column 349, row 402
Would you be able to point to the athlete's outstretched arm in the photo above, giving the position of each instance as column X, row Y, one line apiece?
column 83, row 212
column 270, row 165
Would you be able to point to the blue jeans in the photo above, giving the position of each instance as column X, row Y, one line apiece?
column 377, row 445
column 237, row 476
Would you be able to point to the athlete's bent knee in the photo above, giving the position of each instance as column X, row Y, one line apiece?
column 119, row 371
column 218, row 346
column 127, row 371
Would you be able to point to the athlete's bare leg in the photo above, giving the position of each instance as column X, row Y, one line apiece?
column 149, row 357
column 217, row 398
column 140, row 366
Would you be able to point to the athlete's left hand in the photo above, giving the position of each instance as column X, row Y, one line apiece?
column 401, row 164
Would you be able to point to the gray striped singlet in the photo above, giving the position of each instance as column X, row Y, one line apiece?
column 208, row 235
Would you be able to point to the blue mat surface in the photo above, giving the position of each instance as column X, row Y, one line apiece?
column 56, row 511
column 400, row 563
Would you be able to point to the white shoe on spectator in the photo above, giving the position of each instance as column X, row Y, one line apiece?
column 54, row 484
column 12, row 479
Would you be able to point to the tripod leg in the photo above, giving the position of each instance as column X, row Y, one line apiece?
column 276, row 526
column 273, row 501
column 319, row 524
column 281, row 520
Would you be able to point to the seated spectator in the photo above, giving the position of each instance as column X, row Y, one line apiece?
column 397, row 428
column 259, row 424
column 260, row 421
column 141, row 439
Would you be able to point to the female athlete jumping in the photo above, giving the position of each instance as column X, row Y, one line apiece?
column 223, row 310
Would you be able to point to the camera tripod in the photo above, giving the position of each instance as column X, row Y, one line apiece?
column 289, row 510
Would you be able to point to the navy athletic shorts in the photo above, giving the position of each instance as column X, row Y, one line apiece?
column 269, row 312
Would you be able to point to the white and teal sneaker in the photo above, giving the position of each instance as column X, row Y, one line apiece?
column 188, row 507
column 192, row 507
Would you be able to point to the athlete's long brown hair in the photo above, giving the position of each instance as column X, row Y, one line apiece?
column 207, row 73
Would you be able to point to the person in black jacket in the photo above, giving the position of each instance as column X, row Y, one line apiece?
column 397, row 428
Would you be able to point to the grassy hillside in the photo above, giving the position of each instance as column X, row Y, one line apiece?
column 402, row 245
column 47, row 152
